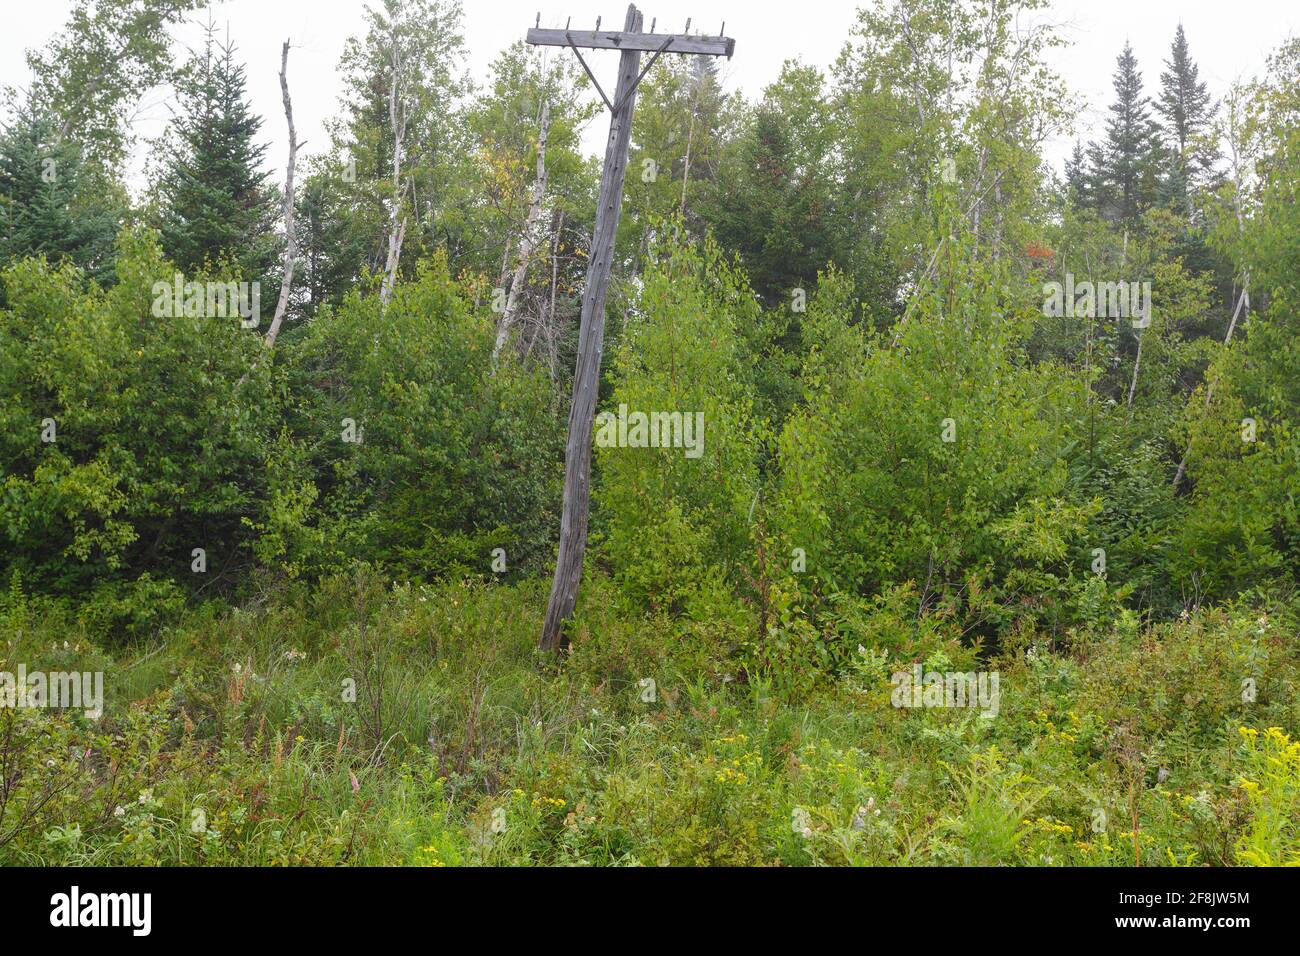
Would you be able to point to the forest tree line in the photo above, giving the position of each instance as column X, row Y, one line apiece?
column 845, row 274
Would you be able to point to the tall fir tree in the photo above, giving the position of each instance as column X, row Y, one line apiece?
column 1186, row 111
column 52, row 201
column 1079, row 183
column 215, row 201
column 330, row 250
column 1126, row 164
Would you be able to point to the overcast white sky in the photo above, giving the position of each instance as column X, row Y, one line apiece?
column 1229, row 40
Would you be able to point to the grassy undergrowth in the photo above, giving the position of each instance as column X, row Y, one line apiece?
column 368, row 723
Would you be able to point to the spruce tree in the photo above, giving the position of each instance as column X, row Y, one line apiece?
column 52, row 202
column 330, row 248
column 215, row 201
column 774, row 198
column 1186, row 109
column 1081, row 185
column 1126, row 165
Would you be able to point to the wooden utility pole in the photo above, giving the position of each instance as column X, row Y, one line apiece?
column 591, row 331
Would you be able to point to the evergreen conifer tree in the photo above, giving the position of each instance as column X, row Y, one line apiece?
column 1186, row 111
column 1126, row 164
column 215, row 202
column 52, row 202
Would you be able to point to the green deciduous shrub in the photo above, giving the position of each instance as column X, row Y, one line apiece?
column 127, row 439
column 676, row 522
column 937, row 458
column 408, row 449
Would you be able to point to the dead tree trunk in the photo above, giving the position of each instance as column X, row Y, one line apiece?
column 1137, row 361
column 527, row 242
column 690, row 141
column 290, row 226
column 551, row 330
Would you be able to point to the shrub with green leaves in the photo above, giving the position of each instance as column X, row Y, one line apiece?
column 1243, row 442
column 127, row 439
column 408, row 448
column 676, row 518
column 934, row 454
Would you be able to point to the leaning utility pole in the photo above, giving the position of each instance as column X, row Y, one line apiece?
column 591, row 331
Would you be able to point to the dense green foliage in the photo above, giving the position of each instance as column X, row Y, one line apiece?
column 129, row 439
column 1135, row 749
column 450, row 460
column 52, row 202
column 213, row 197
column 313, row 570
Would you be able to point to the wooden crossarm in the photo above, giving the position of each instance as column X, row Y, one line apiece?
column 622, row 40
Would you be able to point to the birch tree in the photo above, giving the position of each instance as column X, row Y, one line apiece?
column 399, row 143
column 527, row 240
column 290, row 226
